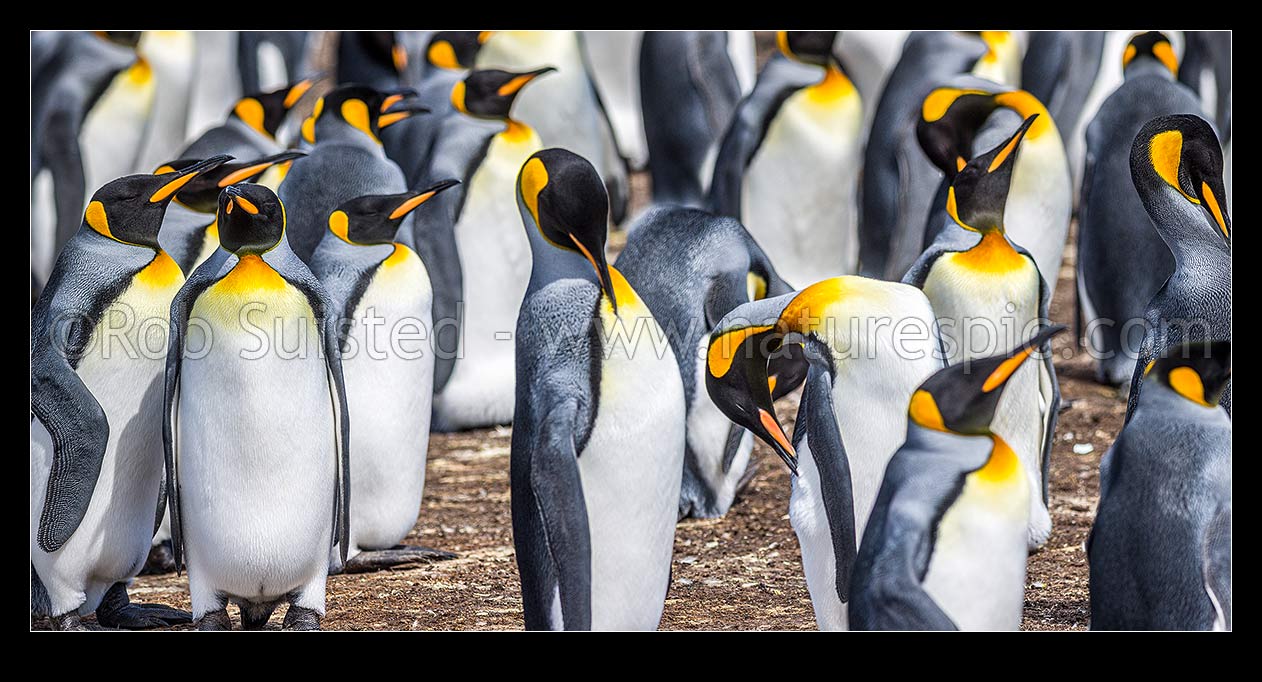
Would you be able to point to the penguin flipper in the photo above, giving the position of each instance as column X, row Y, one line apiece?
column 64, row 161
column 834, row 472
column 341, row 414
column 79, row 430
column 1049, row 384
column 558, row 494
column 779, row 79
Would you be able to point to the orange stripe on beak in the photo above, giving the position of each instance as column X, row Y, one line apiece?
column 246, row 205
column 243, row 174
column 773, row 427
column 410, row 204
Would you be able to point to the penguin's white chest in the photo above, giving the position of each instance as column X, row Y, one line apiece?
column 1040, row 202
column 123, row 367
column 495, row 254
column 799, row 192
column 977, row 571
column 389, row 373
column 115, row 128
column 256, row 441
column 630, row 470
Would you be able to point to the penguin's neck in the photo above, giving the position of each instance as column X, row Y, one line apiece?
column 552, row 263
column 834, row 86
column 1185, row 227
column 1145, row 65
column 515, row 131
column 992, row 253
column 329, row 129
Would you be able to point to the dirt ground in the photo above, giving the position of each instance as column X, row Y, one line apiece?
column 740, row 572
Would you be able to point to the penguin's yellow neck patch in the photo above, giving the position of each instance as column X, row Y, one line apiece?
column 399, row 256
column 212, row 230
column 517, row 132
column 833, row 88
column 1165, row 149
column 1187, row 383
column 923, row 411
column 993, row 254
column 1002, row 466
column 251, row 273
column 627, row 298
column 140, row 73
column 724, row 349
column 1026, row 105
column 161, row 272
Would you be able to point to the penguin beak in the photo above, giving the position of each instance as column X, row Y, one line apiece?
column 602, row 268
column 421, row 197
column 255, row 169
column 1209, row 199
column 394, row 96
column 180, row 178
column 1007, row 154
column 778, row 441
column 234, row 198
column 400, row 110
column 297, row 90
column 1008, row 367
column 515, row 84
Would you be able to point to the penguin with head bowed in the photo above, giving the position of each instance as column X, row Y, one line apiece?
column 478, row 261
column 1122, row 261
column 345, row 161
column 687, row 93
column 566, row 109
column 970, row 116
column 1177, row 167
column 375, row 58
column 255, row 425
column 263, row 56
column 945, row 547
column 1160, row 546
column 381, row 294
column 898, row 181
column 868, row 343
column 71, row 71
column 987, row 293
column 189, row 232
column 692, row 268
column 788, row 165
column 251, row 127
column 448, row 56
column 96, row 474
column 1059, row 69
column 598, row 436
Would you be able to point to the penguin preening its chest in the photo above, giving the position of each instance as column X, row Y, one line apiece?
column 345, row 161
column 256, row 424
column 1177, row 167
column 970, row 117
column 189, row 231
column 598, row 437
column 1122, row 260
column 869, row 343
column 484, row 259
column 898, row 181
column 945, row 547
column 691, row 268
column 565, row 109
column 70, row 71
column 688, row 91
column 379, row 287
column 987, row 294
column 788, row 166
column 97, row 334
column 1160, row 546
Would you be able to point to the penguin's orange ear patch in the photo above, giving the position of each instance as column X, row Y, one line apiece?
column 1187, row 383
column 924, row 411
column 723, row 350
column 250, row 110
column 95, row 217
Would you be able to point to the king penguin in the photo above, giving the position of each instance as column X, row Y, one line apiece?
column 374, row 58
column 972, row 115
column 265, row 59
column 345, row 161
column 566, row 109
column 1177, row 166
column 1122, row 260
column 172, row 55
column 250, row 129
column 1059, row 69
column 114, row 131
column 379, row 287
column 898, row 181
column 70, row 71
column 988, row 294
column 97, row 335
column 788, row 166
column 255, row 425
column 869, row 344
column 1160, row 547
column 1206, row 68
column 945, row 547
column 448, row 57
column 479, row 263
column 691, row 268
column 598, row 439
column 688, row 92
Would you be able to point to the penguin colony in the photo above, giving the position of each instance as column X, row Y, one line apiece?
column 257, row 288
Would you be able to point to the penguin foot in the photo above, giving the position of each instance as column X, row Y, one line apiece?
column 299, row 618
column 117, row 611
column 67, row 621
column 378, row 560
column 161, row 559
column 215, row 620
